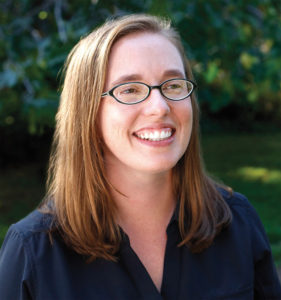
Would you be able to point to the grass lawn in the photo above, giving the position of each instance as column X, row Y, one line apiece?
column 250, row 164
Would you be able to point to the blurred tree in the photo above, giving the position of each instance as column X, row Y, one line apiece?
column 234, row 47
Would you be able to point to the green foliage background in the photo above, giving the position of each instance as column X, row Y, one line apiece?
column 234, row 47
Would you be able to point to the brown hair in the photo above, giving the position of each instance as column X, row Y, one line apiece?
column 83, row 208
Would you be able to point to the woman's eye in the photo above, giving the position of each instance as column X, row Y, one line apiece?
column 173, row 87
column 129, row 91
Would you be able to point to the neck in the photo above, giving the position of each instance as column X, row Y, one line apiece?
column 143, row 199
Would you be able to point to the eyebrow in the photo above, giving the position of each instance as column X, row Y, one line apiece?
column 125, row 78
column 174, row 72
column 136, row 77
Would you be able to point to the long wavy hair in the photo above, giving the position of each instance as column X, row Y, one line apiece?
column 79, row 192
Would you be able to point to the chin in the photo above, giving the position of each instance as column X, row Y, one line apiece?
column 159, row 168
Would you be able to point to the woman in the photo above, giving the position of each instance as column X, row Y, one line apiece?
column 130, row 212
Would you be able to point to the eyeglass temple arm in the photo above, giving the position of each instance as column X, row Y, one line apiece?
column 105, row 94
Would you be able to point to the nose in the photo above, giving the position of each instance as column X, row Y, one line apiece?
column 156, row 104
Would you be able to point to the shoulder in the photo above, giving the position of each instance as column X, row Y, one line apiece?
column 245, row 218
column 36, row 222
column 239, row 204
column 246, row 230
column 234, row 199
column 28, row 234
column 18, row 252
column 246, row 224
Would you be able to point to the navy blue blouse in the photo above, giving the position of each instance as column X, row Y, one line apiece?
column 238, row 265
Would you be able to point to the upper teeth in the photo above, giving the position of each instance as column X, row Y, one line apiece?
column 155, row 135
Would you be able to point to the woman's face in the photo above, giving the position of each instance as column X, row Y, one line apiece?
column 131, row 132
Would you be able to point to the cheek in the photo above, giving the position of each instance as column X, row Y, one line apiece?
column 185, row 116
column 105, row 124
column 114, row 122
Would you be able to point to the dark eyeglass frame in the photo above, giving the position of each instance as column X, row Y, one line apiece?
column 150, row 88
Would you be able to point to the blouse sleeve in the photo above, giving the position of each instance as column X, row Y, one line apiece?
column 266, row 285
column 15, row 270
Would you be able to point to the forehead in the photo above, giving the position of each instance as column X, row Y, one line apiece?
column 145, row 54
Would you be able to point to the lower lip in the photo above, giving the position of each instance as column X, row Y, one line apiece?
column 162, row 143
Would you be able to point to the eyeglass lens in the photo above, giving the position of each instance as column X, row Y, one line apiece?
column 132, row 92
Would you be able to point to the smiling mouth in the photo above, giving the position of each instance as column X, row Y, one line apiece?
column 155, row 135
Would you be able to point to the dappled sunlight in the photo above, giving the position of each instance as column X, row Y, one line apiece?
column 260, row 174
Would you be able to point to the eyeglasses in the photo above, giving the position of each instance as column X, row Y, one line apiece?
column 135, row 92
